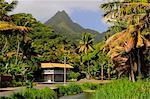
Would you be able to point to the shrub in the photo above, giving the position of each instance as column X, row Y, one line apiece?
column 90, row 86
column 124, row 89
column 62, row 91
column 74, row 89
column 73, row 75
column 70, row 89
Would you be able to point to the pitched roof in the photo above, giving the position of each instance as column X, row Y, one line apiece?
column 55, row 65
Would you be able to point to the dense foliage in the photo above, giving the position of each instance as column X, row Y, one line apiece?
column 14, row 37
column 22, row 52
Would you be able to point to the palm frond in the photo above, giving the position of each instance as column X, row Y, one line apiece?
column 11, row 6
column 120, row 10
column 6, row 26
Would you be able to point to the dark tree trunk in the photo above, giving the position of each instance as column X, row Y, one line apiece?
column 139, row 65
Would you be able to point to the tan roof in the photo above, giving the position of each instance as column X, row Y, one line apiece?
column 55, row 65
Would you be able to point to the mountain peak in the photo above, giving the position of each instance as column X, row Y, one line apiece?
column 60, row 16
column 62, row 13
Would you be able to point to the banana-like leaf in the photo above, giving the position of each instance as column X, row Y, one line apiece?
column 129, row 45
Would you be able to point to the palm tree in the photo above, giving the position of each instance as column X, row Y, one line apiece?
column 125, row 47
column 85, row 46
column 86, row 43
column 5, row 8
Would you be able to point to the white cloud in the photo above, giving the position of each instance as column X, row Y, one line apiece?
column 44, row 9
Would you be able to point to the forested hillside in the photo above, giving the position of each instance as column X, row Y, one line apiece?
column 64, row 25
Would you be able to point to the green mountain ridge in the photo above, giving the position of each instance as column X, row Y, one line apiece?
column 63, row 24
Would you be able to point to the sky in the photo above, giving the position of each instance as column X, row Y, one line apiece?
column 84, row 12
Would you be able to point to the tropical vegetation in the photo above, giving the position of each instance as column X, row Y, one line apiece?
column 129, row 46
column 123, row 51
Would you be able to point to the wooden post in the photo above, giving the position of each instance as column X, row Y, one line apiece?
column 53, row 76
column 64, row 69
column 102, row 73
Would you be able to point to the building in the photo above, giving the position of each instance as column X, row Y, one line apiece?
column 54, row 72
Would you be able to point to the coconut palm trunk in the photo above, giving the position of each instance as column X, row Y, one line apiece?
column 18, row 47
column 88, row 70
column 132, row 71
column 102, row 72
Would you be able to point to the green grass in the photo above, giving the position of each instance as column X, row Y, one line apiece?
column 89, row 86
column 123, row 89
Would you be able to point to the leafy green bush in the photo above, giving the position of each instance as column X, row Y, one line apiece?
column 90, row 86
column 70, row 89
column 30, row 93
column 74, row 89
column 73, row 75
column 124, row 89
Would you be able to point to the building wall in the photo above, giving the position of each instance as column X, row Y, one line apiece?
column 58, row 74
column 58, row 71
column 59, row 77
column 5, row 78
column 48, row 77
